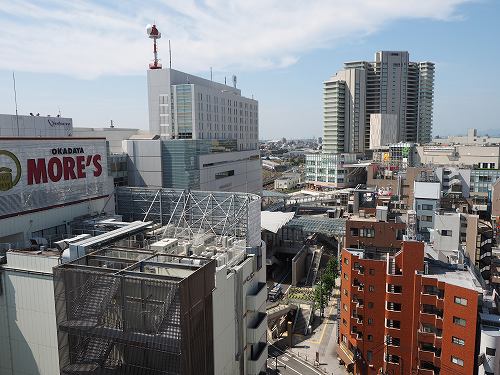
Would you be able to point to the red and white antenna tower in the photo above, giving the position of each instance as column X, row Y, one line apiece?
column 154, row 34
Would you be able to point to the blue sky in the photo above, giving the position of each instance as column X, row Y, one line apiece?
column 88, row 59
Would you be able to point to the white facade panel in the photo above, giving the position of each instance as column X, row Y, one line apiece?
column 427, row 190
column 243, row 171
column 28, row 338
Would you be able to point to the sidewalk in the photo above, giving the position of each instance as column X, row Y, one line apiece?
column 323, row 340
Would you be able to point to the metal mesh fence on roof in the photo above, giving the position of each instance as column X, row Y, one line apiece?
column 321, row 225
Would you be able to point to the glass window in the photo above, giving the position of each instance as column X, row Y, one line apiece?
column 461, row 301
column 490, row 351
column 457, row 340
column 459, row 321
column 457, row 361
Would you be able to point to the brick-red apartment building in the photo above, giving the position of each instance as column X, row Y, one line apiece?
column 401, row 315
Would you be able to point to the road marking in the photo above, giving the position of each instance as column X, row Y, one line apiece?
column 324, row 328
column 288, row 367
column 298, row 360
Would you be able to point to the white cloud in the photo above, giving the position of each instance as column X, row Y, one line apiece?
column 87, row 39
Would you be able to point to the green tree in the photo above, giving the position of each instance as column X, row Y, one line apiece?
column 328, row 281
column 320, row 297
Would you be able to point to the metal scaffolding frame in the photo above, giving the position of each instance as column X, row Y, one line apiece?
column 130, row 311
column 191, row 215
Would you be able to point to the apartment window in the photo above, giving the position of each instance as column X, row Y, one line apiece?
column 369, row 356
column 370, row 321
column 371, row 288
column 446, row 233
column 370, row 305
column 346, row 261
column 372, row 272
column 457, row 340
column 427, row 207
column 345, row 307
column 490, row 351
column 344, row 322
column 457, row 361
column 461, row 301
column 369, row 337
column 344, row 339
column 426, row 218
column 392, row 358
column 393, row 341
column 459, row 321
column 354, row 232
column 346, row 292
column 393, row 323
column 345, row 276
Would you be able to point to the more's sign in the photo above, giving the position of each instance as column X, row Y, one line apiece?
column 42, row 172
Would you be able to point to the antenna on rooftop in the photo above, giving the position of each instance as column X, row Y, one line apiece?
column 15, row 101
column 154, row 34
column 169, row 54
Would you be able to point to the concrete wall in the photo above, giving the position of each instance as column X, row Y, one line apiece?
column 246, row 167
column 144, row 166
column 383, row 129
column 448, row 222
column 114, row 136
column 299, row 270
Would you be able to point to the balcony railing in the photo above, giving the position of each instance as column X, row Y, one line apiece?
column 257, row 298
column 258, row 359
column 258, row 329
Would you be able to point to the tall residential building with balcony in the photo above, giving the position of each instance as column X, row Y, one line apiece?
column 402, row 313
column 392, row 84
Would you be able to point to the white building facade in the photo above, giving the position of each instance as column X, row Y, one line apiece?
column 184, row 106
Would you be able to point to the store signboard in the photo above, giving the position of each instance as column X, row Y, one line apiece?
column 42, row 172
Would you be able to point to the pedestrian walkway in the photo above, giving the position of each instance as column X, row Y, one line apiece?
column 322, row 340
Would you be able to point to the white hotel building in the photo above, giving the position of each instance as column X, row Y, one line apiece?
column 203, row 136
column 184, row 106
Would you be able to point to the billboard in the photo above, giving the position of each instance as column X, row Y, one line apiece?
column 35, row 126
column 37, row 173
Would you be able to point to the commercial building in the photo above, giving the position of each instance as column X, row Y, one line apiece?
column 472, row 138
column 426, row 200
column 476, row 156
column 392, row 84
column 35, row 126
column 288, row 181
column 401, row 313
column 150, row 296
column 198, row 164
column 45, row 182
column 184, row 106
column 334, row 170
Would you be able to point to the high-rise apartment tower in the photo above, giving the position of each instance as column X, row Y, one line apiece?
column 392, row 84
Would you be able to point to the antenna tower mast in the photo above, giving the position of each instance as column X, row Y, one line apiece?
column 154, row 34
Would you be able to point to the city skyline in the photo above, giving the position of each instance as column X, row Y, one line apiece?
column 101, row 76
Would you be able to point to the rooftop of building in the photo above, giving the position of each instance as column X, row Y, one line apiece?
column 139, row 263
column 452, row 274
